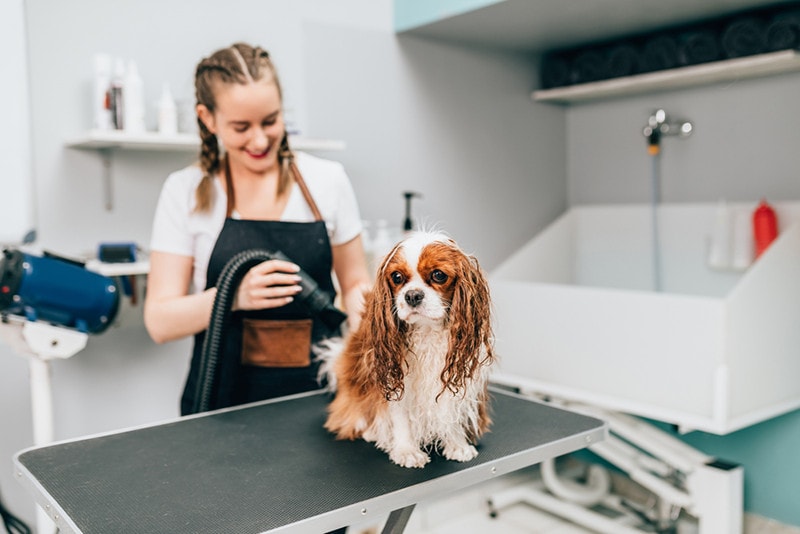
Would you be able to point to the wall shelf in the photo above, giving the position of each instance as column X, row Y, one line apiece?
column 116, row 139
column 719, row 71
column 119, row 269
column 105, row 142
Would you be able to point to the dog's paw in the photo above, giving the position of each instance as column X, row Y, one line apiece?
column 409, row 457
column 463, row 452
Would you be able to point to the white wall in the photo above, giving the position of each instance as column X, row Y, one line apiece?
column 16, row 185
column 454, row 124
column 744, row 145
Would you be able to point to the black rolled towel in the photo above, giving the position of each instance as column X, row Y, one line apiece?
column 590, row 66
column 555, row 71
column 659, row 53
column 699, row 46
column 623, row 60
column 744, row 37
column 783, row 31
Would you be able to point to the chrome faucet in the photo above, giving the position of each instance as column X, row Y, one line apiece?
column 658, row 124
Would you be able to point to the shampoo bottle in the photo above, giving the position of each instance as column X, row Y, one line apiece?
column 101, row 105
column 116, row 95
column 134, row 100
column 167, row 113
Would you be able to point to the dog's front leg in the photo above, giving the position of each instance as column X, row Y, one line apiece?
column 403, row 449
column 458, row 448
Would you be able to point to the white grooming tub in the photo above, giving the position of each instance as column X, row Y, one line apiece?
column 577, row 317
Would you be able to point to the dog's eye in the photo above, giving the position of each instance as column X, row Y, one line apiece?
column 397, row 278
column 438, row 277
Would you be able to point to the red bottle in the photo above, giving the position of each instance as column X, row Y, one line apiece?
column 765, row 226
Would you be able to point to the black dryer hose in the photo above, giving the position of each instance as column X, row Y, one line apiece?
column 317, row 301
column 227, row 284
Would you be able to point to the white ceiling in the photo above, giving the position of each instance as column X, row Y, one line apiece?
column 539, row 25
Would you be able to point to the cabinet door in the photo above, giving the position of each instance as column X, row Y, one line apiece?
column 16, row 179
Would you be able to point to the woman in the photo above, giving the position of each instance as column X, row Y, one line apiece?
column 257, row 195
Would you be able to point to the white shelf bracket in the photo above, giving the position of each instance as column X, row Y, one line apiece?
column 106, row 156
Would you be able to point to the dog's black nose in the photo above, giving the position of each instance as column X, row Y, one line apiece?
column 414, row 297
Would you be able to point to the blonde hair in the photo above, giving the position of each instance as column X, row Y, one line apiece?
column 239, row 63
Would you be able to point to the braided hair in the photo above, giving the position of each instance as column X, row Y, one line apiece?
column 240, row 63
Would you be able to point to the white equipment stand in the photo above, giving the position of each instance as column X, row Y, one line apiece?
column 41, row 343
column 681, row 477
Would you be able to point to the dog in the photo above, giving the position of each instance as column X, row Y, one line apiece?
column 413, row 376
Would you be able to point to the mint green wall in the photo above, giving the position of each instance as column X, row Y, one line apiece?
column 411, row 13
column 769, row 454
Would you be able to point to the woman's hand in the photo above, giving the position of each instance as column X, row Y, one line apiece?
column 270, row 284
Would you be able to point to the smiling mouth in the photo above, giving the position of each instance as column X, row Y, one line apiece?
column 258, row 155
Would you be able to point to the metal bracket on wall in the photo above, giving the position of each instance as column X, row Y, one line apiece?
column 106, row 155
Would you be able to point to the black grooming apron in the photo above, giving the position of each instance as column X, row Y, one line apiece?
column 307, row 245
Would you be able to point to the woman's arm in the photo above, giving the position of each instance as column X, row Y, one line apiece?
column 171, row 313
column 350, row 266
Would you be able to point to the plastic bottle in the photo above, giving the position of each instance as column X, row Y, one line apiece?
column 719, row 252
column 133, row 93
column 381, row 244
column 765, row 226
column 167, row 113
column 741, row 240
column 116, row 95
column 366, row 240
column 101, row 105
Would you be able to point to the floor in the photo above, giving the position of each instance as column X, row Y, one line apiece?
column 467, row 512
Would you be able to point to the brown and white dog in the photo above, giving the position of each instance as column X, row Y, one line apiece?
column 413, row 377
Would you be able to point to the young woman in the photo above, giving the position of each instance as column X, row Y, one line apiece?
column 253, row 192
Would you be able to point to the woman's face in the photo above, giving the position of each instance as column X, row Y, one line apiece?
column 248, row 121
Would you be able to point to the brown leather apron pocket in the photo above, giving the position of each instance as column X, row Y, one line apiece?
column 276, row 343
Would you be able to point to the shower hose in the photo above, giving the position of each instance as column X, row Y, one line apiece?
column 317, row 301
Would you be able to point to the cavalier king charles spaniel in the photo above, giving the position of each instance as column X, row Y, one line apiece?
column 413, row 377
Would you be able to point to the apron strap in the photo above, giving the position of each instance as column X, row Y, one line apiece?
column 306, row 193
column 229, row 192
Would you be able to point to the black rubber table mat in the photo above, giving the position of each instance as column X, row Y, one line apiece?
column 271, row 466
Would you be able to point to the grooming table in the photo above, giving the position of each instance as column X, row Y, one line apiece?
column 272, row 467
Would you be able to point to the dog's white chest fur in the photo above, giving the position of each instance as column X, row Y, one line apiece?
column 426, row 416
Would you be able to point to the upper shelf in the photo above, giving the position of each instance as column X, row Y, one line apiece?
column 102, row 139
column 718, row 71
column 524, row 26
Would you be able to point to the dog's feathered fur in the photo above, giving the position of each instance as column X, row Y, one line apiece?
column 414, row 375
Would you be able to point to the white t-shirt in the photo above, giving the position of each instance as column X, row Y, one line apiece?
column 178, row 229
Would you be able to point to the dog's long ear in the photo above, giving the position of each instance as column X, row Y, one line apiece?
column 381, row 338
column 470, row 326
